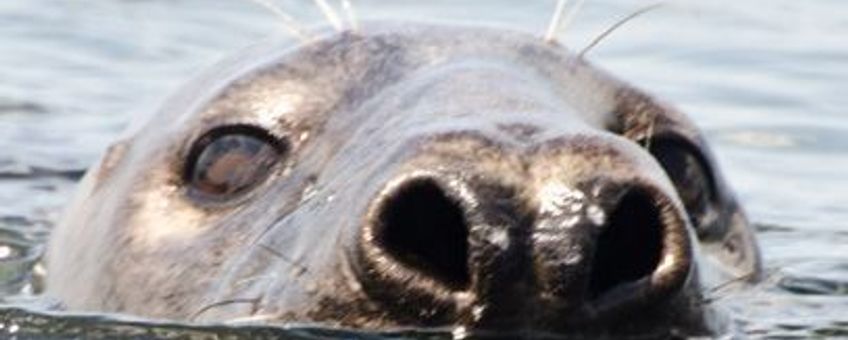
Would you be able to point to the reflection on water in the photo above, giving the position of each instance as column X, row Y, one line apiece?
column 28, row 324
column 764, row 78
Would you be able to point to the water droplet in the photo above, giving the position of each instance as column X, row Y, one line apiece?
column 574, row 257
column 555, row 199
column 477, row 312
column 309, row 191
column 460, row 333
column 499, row 238
column 596, row 215
column 303, row 136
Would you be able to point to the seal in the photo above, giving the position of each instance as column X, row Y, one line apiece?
column 409, row 176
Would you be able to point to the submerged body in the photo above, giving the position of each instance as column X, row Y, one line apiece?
column 409, row 176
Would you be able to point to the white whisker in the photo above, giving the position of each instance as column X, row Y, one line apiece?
column 259, row 318
column 247, row 280
column 330, row 13
column 714, row 294
column 553, row 27
column 288, row 22
column 347, row 5
column 615, row 26
column 566, row 22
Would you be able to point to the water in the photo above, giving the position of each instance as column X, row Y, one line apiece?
column 764, row 78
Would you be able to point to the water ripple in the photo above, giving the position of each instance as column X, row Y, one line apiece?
column 816, row 278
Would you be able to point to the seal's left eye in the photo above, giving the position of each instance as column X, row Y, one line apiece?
column 690, row 176
column 228, row 161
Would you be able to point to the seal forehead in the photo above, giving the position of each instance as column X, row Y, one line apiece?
column 303, row 88
column 339, row 73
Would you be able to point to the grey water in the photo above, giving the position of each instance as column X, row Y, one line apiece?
column 766, row 79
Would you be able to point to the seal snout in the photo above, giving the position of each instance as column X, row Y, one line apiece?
column 438, row 247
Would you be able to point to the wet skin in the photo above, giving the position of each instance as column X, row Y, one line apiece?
column 409, row 176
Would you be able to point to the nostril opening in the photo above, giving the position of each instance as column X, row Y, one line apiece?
column 424, row 228
column 630, row 246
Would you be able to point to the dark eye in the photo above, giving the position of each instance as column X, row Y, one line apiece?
column 228, row 161
column 690, row 177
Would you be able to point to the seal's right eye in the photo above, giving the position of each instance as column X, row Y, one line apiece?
column 228, row 161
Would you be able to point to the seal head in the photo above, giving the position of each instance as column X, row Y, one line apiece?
column 409, row 176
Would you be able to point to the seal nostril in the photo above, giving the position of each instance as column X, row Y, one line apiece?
column 424, row 228
column 630, row 247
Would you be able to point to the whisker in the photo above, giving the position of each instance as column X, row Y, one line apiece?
column 570, row 16
column 562, row 19
column 556, row 20
column 206, row 308
column 255, row 278
column 272, row 251
column 253, row 319
column 347, row 6
column 650, row 133
column 741, row 278
column 288, row 22
column 712, row 293
column 615, row 26
column 330, row 13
